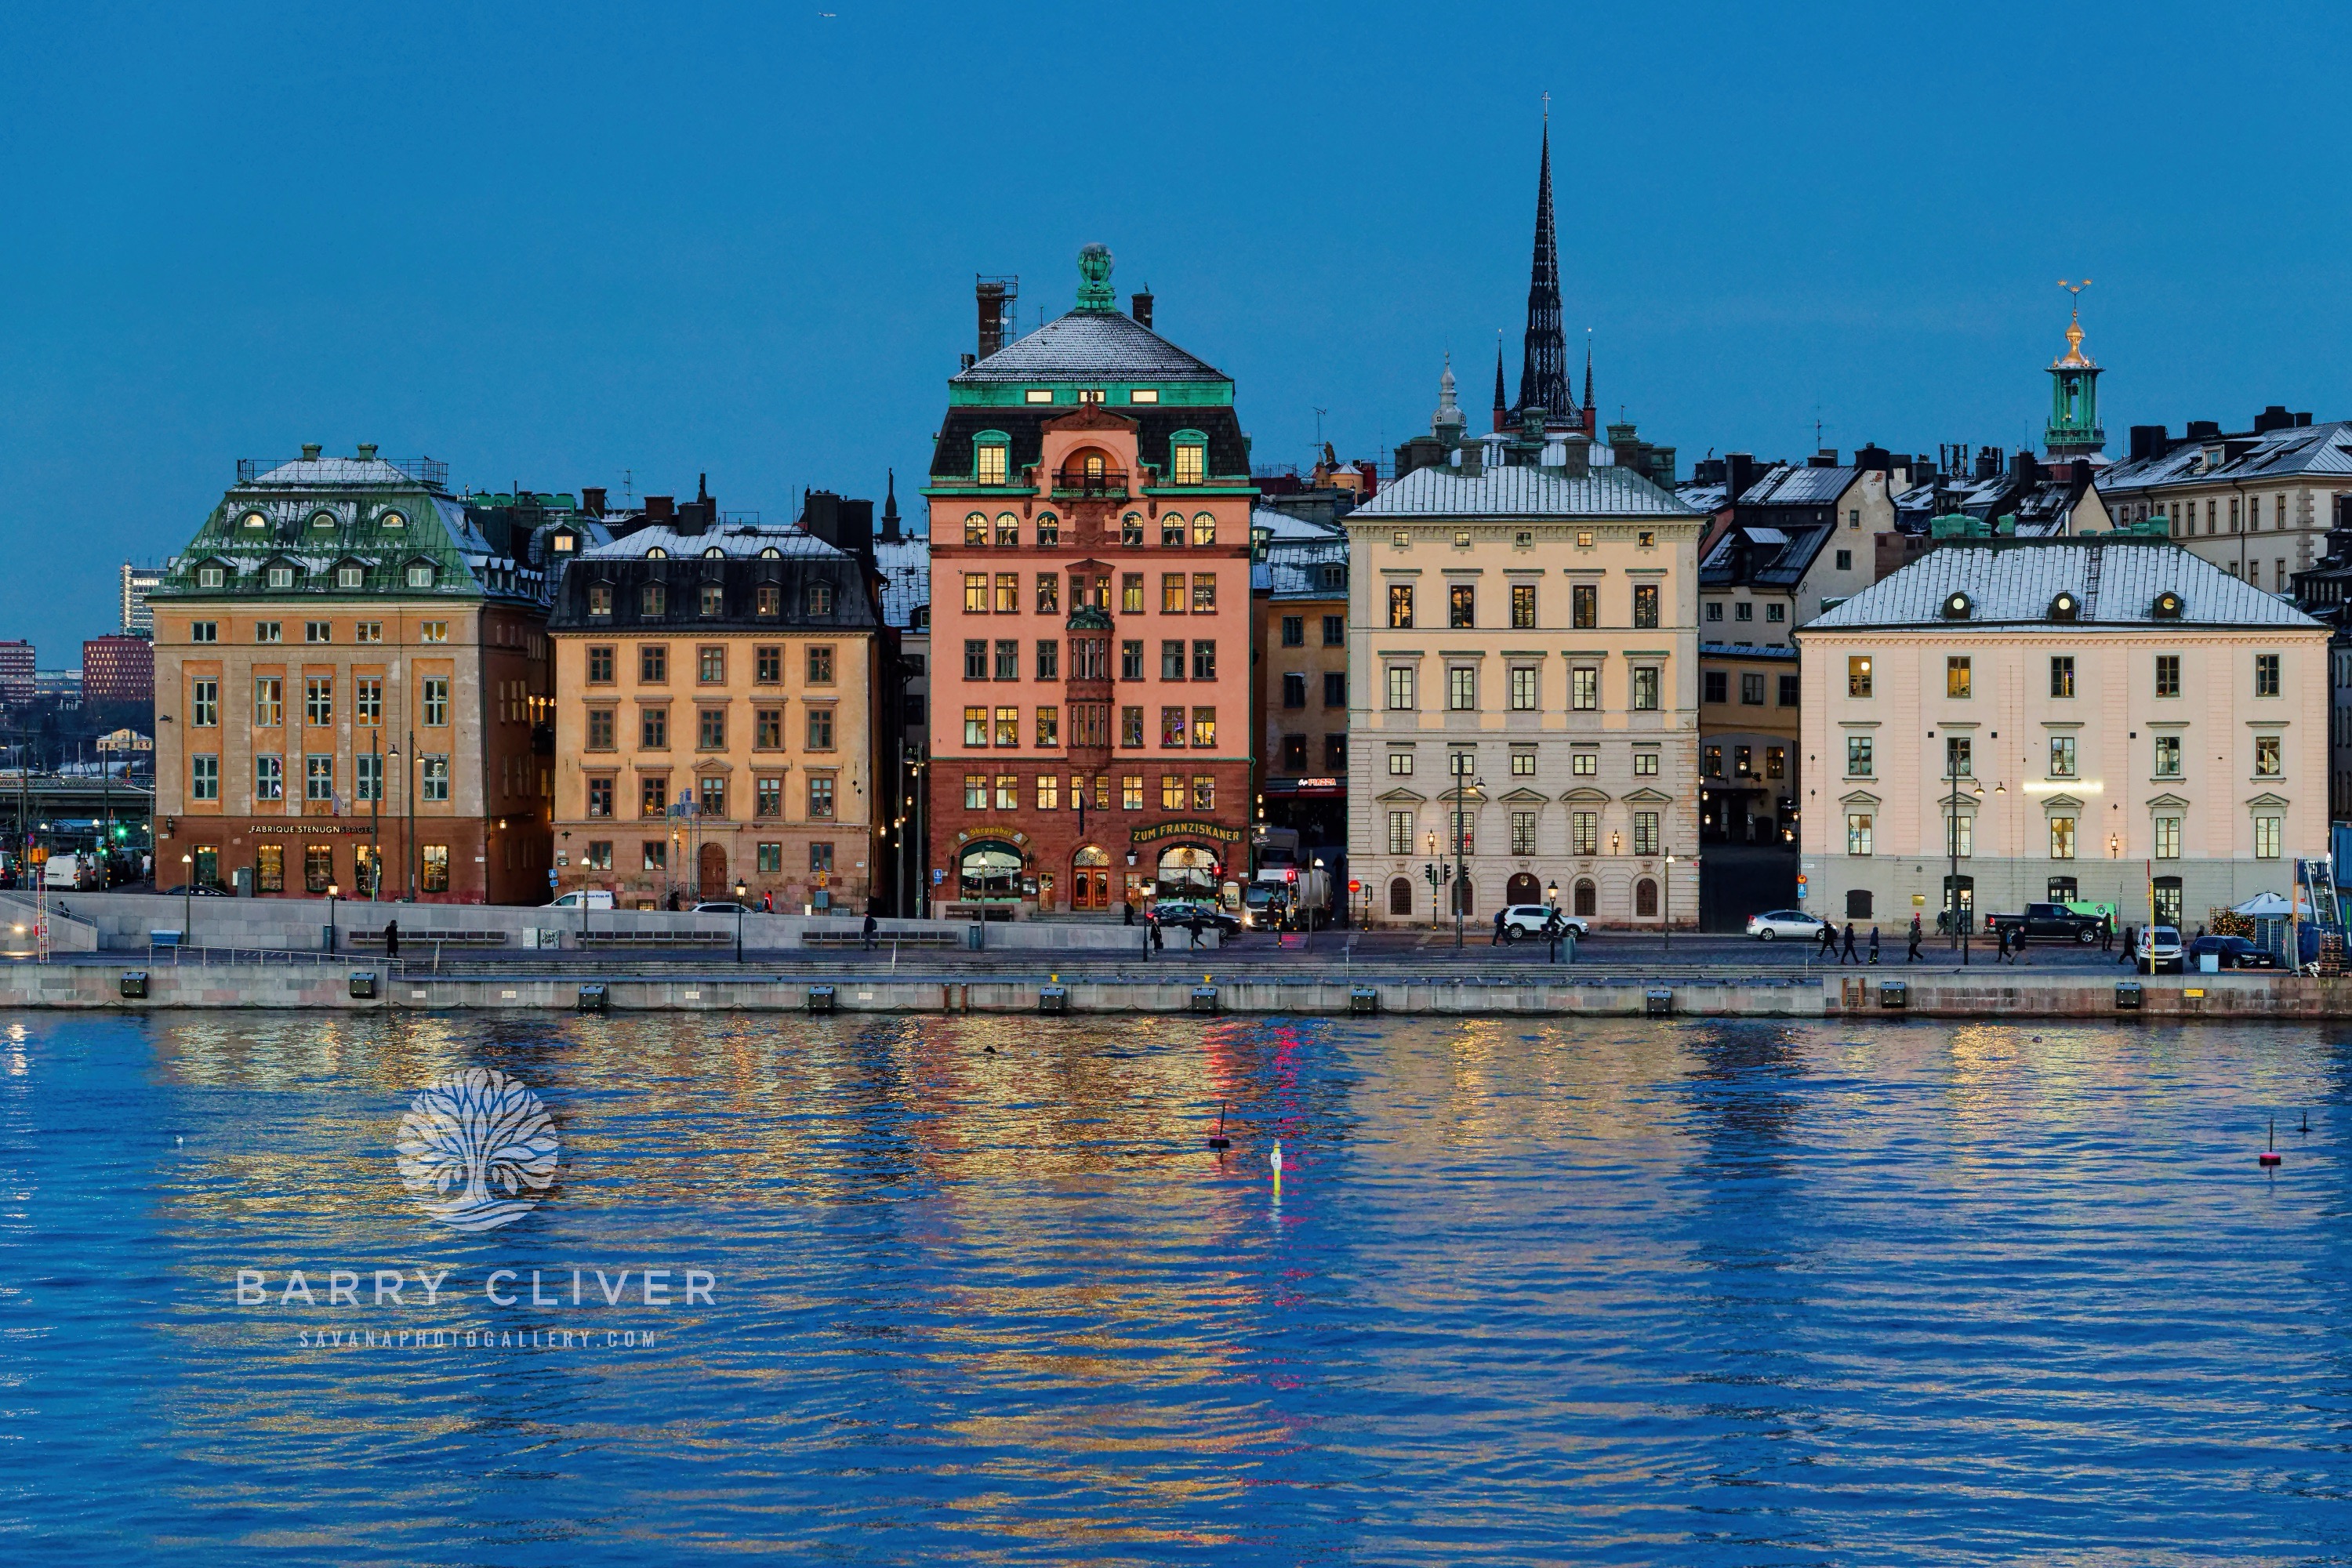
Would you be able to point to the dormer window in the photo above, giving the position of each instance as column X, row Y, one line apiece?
column 1956, row 607
column 253, row 520
column 562, row 544
column 713, row 601
column 652, row 600
column 600, row 598
column 210, row 575
column 323, row 520
column 393, row 520
column 420, row 575
column 991, row 458
column 820, row 599
column 2065, row 607
column 714, row 554
column 2168, row 606
column 348, row 577
column 656, row 554
column 281, row 577
column 772, row 553
column 771, row 601
column 1144, row 395
column 1191, row 454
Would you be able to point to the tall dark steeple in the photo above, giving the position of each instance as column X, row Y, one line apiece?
column 1502, row 399
column 1589, row 413
column 1543, row 378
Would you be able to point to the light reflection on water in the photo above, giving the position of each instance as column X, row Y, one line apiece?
column 1752, row 1293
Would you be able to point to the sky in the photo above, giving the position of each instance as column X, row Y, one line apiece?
column 626, row 245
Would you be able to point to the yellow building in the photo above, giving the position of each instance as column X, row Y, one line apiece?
column 716, row 718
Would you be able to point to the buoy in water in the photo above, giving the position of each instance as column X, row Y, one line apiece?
column 2306, row 1123
column 1274, row 1159
column 1218, row 1139
column 2270, row 1156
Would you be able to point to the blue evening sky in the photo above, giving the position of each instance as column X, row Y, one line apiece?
column 563, row 244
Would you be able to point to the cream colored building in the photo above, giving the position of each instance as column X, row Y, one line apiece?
column 2258, row 505
column 1523, row 651
column 2112, row 720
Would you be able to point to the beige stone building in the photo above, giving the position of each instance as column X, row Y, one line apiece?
column 2257, row 504
column 716, row 719
column 2110, row 720
column 1524, row 662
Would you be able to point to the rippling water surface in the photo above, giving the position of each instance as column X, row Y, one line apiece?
column 1605, row 1291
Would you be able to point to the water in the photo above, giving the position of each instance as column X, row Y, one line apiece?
column 1617, row 1291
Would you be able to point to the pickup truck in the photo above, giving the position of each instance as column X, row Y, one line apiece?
column 2052, row 922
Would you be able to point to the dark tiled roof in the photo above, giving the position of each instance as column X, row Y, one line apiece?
column 1799, row 486
column 1090, row 345
column 951, row 456
column 1768, row 555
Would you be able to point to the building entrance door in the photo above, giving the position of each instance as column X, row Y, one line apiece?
column 711, row 872
column 1090, row 880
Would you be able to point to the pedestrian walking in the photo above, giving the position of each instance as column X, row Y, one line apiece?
column 392, row 939
column 2131, row 940
column 1193, row 929
column 2108, row 934
column 1873, row 944
column 1496, row 940
column 1848, row 956
column 2002, row 934
column 1159, row 940
column 1912, row 954
column 870, row 926
column 1829, row 940
column 1129, row 917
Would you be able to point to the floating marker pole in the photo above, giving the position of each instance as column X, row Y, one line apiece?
column 1274, row 1159
column 1218, row 1139
column 2306, row 1123
column 2269, row 1155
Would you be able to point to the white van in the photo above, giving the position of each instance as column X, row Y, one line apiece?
column 64, row 871
column 588, row 898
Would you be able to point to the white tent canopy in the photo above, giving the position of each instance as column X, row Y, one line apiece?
column 2264, row 906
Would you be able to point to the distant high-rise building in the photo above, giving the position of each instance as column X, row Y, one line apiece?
column 15, row 672
column 119, row 669
column 138, row 582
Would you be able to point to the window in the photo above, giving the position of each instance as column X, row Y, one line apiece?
column 283, row 577
column 2168, row 756
column 1523, row 689
column 768, row 795
column 1401, row 604
column 1049, row 658
column 1192, row 463
column 1204, row 792
column 2061, row 756
column 2062, row 674
column 1857, row 833
column 1645, row 606
column 2266, row 838
column 710, row 729
column 1845, row 557
column 653, row 728
column 975, row 726
column 269, row 631
column 1205, row 591
column 1400, row 765
column 1172, row 792
column 319, row 778
column 318, row 700
column 436, row 868
column 436, row 701
column 1714, row 609
column 1859, row 763
column 1130, row 726
column 1399, row 832
column 1172, row 660
column 600, row 797
column 2168, row 675
column 1400, row 687
column 1645, row 833
column 600, row 598
column 1960, row 679
column 1776, row 611
column 1008, row 727
column 1294, row 689
column 1461, row 831
column 317, row 631
column 269, row 868
column 1523, row 763
column 1130, row 593
column 1049, row 528
column 1584, row 606
column 1008, row 660
column 1204, row 660
column 204, row 703
column 1171, row 592
column 1714, row 686
column 820, row 797
column 1049, row 727
column 1204, row 526
column 1008, row 592
column 1775, row 762
column 1294, row 631
column 204, row 777
column 992, row 459
column 820, row 665
column 1645, row 764
column 1049, row 593
column 1743, row 611
column 1523, row 607
column 1171, row 531
column 1790, row 688
column 1751, row 690
column 2266, row 675
column 429, row 631
column 1584, row 688
column 652, row 663
column 1334, row 688
column 1523, row 832
column 1205, row 727
column 1584, row 538
column 2062, row 838
column 1462, row 688
column 1462, row 605
column 1584, row 832
column 1960, row 760
column 1711, row 761
column 209, row 576
column 1857, row 676
column 1131, row 792
column 2168, row 839
column 1049, row 792
column 1645, row 687
column 367, row 631
column 269, row 701
column 207, row 631
column 2267, row 756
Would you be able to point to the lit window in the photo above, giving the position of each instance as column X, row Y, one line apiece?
column 1857, row 833
column 1192, row 463
column 2267, row 756
column 995, row 461
column 1038, row 395
column 2062, row 838
column 2266, row 838
column 1959, row 678
column 1857, row 676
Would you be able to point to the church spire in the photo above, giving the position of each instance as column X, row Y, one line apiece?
column 1502, row 399
column 1590, row 414
column 1543, row 375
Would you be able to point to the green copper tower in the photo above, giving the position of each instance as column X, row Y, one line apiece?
column 2074, row 429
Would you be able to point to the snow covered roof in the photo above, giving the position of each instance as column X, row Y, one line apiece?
column 906, row 568
column 2014, row 582
column 2276, row 454
column 1282, row 525
column 1799, row 487
column 737, row 541
column 1447, row 492
column 1090, row 345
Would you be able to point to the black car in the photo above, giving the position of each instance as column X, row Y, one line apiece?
column 2231, row 952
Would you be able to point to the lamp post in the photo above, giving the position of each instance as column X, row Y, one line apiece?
column 375, row 814
column 333, row 890
column 187, row 899
column 1463, row 785
column 1552, row 924
column 1667, row 902
column 742, row 891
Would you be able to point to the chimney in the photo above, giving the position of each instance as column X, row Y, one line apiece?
column 1738, row 476
column 1987, row 462
column 2202, row 430
column 367, row 451
column 970, row 361
column 660, row 508
column 592, row 499
column 821, row 516
column 311, row 450
column 1874, row 458
column 2149, row 441
column 2274, row 417
column 855, row 531
column 1140, row 307
column 2303, row 418
column 988, row 295
column 2023, row 468
column 1826, row 457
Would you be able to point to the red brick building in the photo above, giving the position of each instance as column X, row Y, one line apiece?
column 1090, row 573
column 118, row 670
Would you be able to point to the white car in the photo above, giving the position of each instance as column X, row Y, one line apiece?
column 592, row 898
column 1528, row 920
column 1774, row 924
column 2157, row 949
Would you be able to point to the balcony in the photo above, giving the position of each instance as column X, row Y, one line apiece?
column 1098, row 485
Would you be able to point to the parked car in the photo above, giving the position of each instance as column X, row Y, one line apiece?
column 2231, row 952
column 2158, row 949
column 1181, row 911
column 1774, row 924
column 593, row 898
column 201, row 890
column 2053, row 922
column 1529, row 920
column 722, row 907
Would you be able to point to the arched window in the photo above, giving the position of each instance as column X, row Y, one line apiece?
column 651, row 600
column 975, row 529
column 1401, row 896
column 254, row 520
column 714, row 554
column 1646, row 899
column 1466, row 898
column 772, row 553
column 323, row 520
column 1049, row 528
column 1130, row 530
column 656, row 554
column 391, row 519
column 1008, row 529
column 1587, row 897
column 1523, row 889
column 1204, row 528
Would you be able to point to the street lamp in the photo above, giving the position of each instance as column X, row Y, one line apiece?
column 187, row 899
column 1666, row 904
column 333, row 889
column 741, row 892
